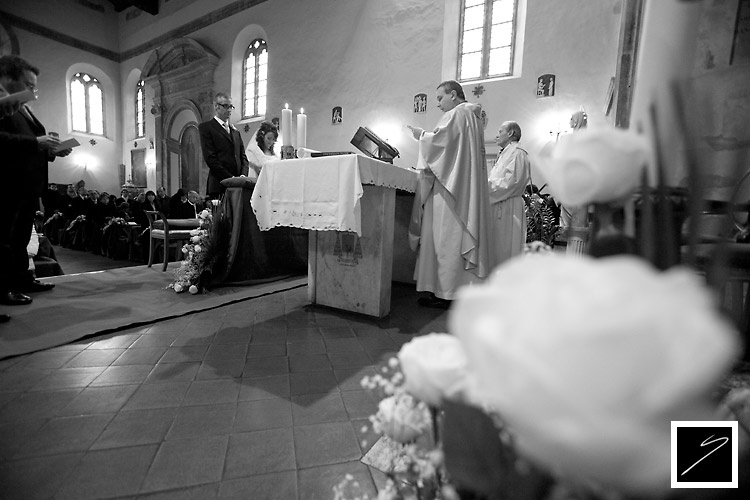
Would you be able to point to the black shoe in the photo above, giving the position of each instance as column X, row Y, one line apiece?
column 14, row 299
column 4, row 318
column 434, row 302
column 36, row 286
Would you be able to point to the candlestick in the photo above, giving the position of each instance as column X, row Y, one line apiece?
column 286, row 126
column 301, row 129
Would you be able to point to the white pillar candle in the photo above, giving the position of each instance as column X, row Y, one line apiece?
column 301, row 129
column 286, row 126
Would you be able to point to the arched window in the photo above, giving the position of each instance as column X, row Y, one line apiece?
column 140, row 109
column 87, row 104
column 255, row 79
column 488, row 33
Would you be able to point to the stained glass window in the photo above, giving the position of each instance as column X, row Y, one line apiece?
column 87, row 104
column 255, row 79
column 140, row 109
column 487, row 39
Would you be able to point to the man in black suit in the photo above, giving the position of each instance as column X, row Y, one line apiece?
column 222, row 147
column 25, row 148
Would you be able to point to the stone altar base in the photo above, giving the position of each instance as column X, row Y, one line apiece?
column 353, row 272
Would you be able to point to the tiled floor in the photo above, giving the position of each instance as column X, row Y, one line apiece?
column 255, row 400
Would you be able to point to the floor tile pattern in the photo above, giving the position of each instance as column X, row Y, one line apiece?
column 258, row 399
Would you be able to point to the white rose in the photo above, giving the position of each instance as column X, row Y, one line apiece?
column 203, row 214
column 197, row 249
column 434, row 367
column 178, row 288
column 595, row 165
column 195, row 239
column 402, row 418
column 195, row 232
column 193, row 289
column 587, row 361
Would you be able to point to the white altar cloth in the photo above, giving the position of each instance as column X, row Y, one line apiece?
column 322, row 194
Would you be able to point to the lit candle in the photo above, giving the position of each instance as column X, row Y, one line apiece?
column 301, row 129
column 286, row 126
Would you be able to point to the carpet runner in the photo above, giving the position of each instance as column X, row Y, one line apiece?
column 86, row 304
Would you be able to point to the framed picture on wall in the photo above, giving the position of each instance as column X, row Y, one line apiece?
column 138, row 166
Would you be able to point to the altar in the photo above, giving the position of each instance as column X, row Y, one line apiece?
column 348, row 204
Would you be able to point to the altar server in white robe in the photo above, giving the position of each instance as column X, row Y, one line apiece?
column 451, row 221
column 507, row 180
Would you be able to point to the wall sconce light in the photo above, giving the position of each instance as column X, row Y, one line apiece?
column 246, row 128
column 150, row 144
column 92, row 142
column 135, row 144
column 560, row 126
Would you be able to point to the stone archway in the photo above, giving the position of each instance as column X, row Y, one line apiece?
column 181, row 74
column 183, row 165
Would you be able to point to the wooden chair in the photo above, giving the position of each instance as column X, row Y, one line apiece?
column 168, row 233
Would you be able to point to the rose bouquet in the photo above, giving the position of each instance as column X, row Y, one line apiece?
column 195, row 269
column 596, row 166
column 409, row 435
column 589, row 397
column 581, row 407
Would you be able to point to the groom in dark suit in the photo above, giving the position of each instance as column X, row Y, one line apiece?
column 25, row 149
column 222, row 147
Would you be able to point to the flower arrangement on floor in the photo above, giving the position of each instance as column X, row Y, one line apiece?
column 541, row 409
column 201, row 255
column 409, row 429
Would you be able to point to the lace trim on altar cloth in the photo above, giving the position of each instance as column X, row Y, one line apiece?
column 377, row 173
column 293, row 218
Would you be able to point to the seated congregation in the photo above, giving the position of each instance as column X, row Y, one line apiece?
column 104, row 224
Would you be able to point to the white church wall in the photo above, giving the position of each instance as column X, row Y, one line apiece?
column 370, row 58
column 130, row 74
column 575, row 40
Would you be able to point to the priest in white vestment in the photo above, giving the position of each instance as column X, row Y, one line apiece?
column 507, row 180
column 451, row 221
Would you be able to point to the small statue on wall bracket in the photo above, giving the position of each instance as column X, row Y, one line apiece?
column 478, row 90
column 420, row 103
column 545, row 86
column 337, row 115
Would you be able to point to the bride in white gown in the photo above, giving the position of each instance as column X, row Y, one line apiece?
column 261, row 150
